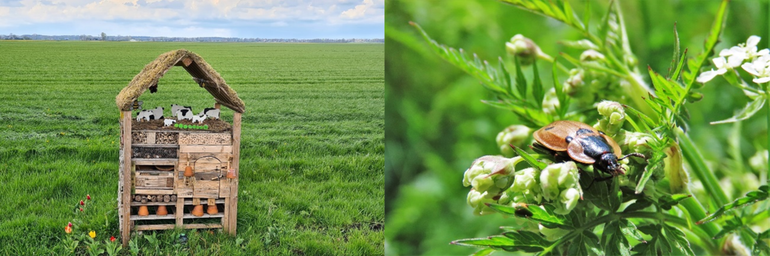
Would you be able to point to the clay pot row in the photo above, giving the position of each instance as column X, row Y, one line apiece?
column 198, row 210
column 162, row 211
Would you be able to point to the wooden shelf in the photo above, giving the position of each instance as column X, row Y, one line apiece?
column 154, row 217
column 188, row 201
column 134, row 203
column 172, row 226
column 154, row 161
column 205, row 216
column 155, row 145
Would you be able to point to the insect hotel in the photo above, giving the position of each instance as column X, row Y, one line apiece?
column 180, row 176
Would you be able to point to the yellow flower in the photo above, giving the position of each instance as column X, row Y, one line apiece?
column 92, row 234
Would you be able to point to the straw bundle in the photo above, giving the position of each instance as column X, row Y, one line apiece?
column 202, row 73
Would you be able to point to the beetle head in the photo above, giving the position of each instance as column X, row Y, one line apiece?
column 609, row 163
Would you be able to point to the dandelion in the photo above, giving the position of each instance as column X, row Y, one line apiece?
column 92, row 234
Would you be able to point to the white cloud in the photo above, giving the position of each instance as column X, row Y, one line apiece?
column 183, row 14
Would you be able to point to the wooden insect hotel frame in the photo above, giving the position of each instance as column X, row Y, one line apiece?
column 157, row 180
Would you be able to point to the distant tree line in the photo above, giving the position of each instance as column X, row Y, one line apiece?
column 105, row 37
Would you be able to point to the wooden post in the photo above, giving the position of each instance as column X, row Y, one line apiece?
column 179, row 214
column 232, row 207
column 126, row 196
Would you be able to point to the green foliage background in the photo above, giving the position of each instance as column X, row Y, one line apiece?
column 436, row 124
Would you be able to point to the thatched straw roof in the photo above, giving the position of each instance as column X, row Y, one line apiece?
column 201, row 72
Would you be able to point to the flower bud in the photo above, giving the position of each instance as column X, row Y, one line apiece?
column 613, row 116
column 478, row 199
column 490, row 173
column 523, row 48
column 568, row 200
column 677, row 176
column 759, row 160
column 525, row 188
column 515, row 135
column 635, row 142
column 591, row 55
column 550, row 102
column 557, row 177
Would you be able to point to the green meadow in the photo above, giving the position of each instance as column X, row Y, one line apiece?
column 312, row 150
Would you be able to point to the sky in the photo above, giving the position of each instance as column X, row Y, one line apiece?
column 300, row 19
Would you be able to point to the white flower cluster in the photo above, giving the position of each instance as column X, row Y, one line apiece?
column 756, row 63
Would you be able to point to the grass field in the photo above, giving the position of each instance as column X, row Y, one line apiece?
column 312, row 151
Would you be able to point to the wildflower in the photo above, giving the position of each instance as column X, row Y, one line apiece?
column 745, row 51
column 512, row 135
column 92, row 234
column 550, row 102
column 69, row 224
column 760, row 68
column 82, row 203
column 490, row 173
column 88, row 196
column 68, row 229
column 112, row 239
column 81, row 209
column 722, row 66
column 568, row 199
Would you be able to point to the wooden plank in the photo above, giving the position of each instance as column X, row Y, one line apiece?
column 150, row 138
column 154, row 227
column 205, row 149
column 179, row 213
column 232, row 208
column 135, row 203
column 196, row 201
column 202, row 226
column 126, row 193
column 187, row 138
column 156, row 146
column 152, row 217
column 154, row 180
column 226, row 218
column 154, row 191
column 189, row 201
column 205, row 216
column 184, row 62
column 205, row 189
column 211, row 201
column 154, row 161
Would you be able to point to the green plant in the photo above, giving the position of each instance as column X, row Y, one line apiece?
column 649, row 210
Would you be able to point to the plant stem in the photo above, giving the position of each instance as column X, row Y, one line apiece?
column 710, row 182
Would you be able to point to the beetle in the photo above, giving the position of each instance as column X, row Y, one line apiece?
column 583, row 144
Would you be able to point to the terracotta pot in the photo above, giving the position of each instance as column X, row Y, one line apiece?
column 198, row 210
column 188, row 171
column 231, row 174
column 143, row 211
column 212, row 209
column 161, row 211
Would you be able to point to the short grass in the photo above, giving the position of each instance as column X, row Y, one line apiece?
column 312, row 152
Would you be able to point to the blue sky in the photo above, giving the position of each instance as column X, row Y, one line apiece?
column 196, row 18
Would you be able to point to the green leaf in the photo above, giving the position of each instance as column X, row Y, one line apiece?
column 476, row 68
column 537, row 87
column 730, row 226
column 484, row 252
column 531, row 211
column 678, row 240
column 614, row 241
column 654, row 164
column 495, row 241
column 559, row 88
column 630, row 229
column 602, row 194
column 668, row 201
column 751, row 108
column 529, row 158
column 679, row 66
column 587, row 15
column 528, row 241
column 521, row 81
column 750, row 198
column 674, row 65
column 640, row 204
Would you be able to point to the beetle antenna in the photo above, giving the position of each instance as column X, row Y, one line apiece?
column 639, row 155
